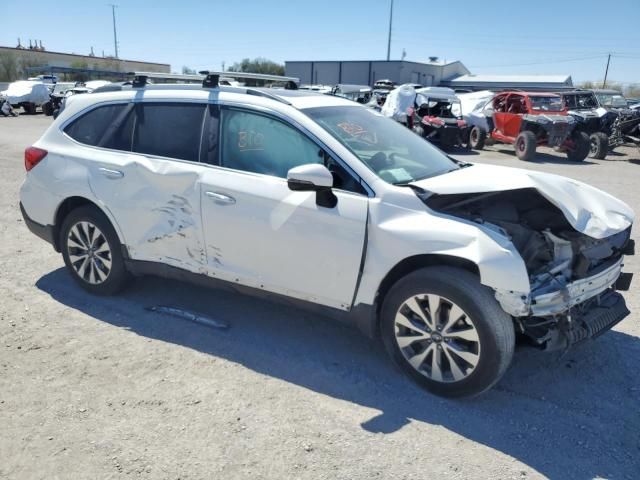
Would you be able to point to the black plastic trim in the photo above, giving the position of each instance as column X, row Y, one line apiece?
column 45, row 232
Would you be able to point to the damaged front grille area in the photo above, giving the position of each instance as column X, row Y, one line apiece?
column 581, row 322
column 572, row 276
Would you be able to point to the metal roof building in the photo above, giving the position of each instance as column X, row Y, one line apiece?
column 366, row 72
column 503, row 82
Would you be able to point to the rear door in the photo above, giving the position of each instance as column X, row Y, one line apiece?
column 152, row 190
column 260, row 233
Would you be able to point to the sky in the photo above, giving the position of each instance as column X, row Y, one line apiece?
column 570, row 37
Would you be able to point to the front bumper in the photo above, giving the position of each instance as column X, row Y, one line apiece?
column 574, row 293
column 548, row 303
column 601, row 317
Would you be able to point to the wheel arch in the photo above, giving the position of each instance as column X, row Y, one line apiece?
column 404, row 268
column 71, row 203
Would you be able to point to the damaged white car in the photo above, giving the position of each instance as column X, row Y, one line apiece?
column 314, row 199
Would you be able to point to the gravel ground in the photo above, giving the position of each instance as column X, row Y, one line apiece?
column 101, row 388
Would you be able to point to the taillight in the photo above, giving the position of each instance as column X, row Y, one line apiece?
column 33, row 156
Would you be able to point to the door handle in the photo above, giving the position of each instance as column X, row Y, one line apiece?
column 221, row 198
column 107, row 172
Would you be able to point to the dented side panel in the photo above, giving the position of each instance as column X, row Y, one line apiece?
column 157, row 204
column 398, row 232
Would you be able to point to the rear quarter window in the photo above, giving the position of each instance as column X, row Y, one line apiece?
column 109, row 126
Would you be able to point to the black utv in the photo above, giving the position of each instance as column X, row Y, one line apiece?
column 592, row 119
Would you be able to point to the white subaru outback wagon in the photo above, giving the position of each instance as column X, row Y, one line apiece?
column 319, row 200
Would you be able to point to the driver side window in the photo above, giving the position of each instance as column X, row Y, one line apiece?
column 257, row 143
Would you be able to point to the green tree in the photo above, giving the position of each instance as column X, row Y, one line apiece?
column 8, row 67
column 188, row 71
column 257, row 65
column 80, row 77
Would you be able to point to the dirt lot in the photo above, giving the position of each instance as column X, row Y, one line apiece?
column 101, row 388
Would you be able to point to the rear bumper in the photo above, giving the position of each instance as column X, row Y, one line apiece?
column 45, row 232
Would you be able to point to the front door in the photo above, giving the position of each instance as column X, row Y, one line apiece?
column 261, row 234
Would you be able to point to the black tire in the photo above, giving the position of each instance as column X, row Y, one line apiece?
column 582, row 147
column 599, row 145
column 47, row 109
column 494, row 327
column 29, row 108
column 117, row 276
column 477, row 137
column 525, row 146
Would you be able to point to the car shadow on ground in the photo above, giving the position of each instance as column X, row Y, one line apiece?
column 584, row 405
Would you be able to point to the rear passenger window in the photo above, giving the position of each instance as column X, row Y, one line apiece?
column 110, row 126
column 169, row 130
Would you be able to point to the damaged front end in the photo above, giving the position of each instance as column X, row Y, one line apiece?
column 573, row 277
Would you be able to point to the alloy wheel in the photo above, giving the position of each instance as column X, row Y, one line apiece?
column 437, row 338
column 89, row 252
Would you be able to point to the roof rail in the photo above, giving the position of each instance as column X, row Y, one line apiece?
column 262, row 93
column 290, row 83
column 210, row 79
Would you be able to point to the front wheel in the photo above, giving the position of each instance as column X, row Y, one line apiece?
column 526, row 144
column 581, row 147
column 599, row 145
column 477, row 138
column 92, row 251
column 447, row 332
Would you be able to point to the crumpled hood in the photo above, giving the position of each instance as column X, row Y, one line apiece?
column 588, row 209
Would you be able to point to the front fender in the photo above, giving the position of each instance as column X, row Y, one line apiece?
column 397, row 234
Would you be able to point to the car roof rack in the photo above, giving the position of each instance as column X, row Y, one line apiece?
column 210, row 79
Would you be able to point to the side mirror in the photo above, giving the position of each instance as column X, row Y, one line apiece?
column 313, row 177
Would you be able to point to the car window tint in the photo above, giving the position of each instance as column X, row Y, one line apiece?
column 260, row 144
column 109, row 126
column 169, row 130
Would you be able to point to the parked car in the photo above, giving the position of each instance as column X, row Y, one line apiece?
column 384, row 84
column 327, row 204
column 436, row 116
column 528, row 120
column 610, row 98
column 357, row 93
column 27, row 94
column 592, row 119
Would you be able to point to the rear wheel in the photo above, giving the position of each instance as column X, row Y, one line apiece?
column 526, row 146
column 477, row 137
column 92, row 251
column 47, row 109
column 581, row 147
column 29, row 108
column 599, row 145
column 447, row 332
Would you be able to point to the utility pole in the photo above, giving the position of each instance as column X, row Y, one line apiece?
column 606, row 72
column 115, row 34
column 390, row 25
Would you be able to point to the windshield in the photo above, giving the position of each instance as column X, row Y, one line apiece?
column 391, row 151
column 587, row 100
column 546, row 104
column 612, row 100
